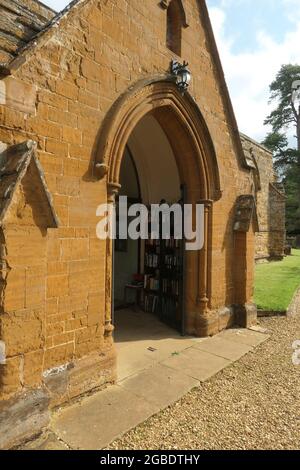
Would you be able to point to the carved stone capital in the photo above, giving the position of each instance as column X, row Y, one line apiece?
column 112, row 191
column 207, row 203
column 109, row 329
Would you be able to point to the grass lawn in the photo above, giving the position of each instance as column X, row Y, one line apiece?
column 277, row 282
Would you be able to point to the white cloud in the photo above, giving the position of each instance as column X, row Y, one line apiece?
column 249, row 74
column 292, row 10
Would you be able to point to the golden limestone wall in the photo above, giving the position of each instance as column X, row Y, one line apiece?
column 53, row 295
column 270, row 200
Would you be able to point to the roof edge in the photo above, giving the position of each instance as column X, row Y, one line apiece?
column 46, row 6
column 7, row 68
column 258, row 144
column 27, row 151
column 278, row 191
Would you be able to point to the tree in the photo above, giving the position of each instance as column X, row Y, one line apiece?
column 285, row 92
column 291, row 184
column 287, row 112
column 284, row 157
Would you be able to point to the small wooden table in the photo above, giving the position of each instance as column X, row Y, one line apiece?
column 138, row 289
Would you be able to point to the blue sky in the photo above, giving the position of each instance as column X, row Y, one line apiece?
column 255, row 37
column 245, row 17
column 56, row 4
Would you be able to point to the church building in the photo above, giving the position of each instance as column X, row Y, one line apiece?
column 111, row 98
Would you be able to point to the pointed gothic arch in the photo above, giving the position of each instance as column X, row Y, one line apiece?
column 179, row 115
column 190, row 140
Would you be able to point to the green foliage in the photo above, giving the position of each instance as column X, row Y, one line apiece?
column 276, row 142
column 286, row 159
column 277, row 282
column 292, row 184
column 284, row 156
column 281, row 92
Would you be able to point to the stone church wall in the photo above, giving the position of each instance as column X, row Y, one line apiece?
column 270, row 200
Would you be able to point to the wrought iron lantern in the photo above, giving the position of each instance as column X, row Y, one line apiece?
column 181, row 74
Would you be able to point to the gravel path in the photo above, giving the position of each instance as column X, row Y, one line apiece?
column 254, row 404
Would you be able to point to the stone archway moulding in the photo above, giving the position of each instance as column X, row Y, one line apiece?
column 195, row 155
column 148, row 96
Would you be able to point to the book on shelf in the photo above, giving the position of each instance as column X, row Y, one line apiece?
column 151, row 260
column 153, row 242
column 172, row 243
column 151, row 283
column 171, row 286
column 151, row 303
column 171, row 261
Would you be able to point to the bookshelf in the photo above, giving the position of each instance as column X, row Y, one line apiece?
column 152, row 276
column 164, row 280
column 171, row 274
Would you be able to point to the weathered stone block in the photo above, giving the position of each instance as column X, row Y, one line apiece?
column 19, row 95
column 22, row 331
column 57, row 286
column 71, row 135
column 226, row 318
column 33, row 367
column 10, row 378
column 23, row 416
column 92, row 372
column 90, row 69
column 58, row 355
column 246, row 316
column 14, row 297
column 75, row 249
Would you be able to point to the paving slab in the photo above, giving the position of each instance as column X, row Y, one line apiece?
column 197, row 364
column 243, row 336
column 156, row 367
column 225, row 348
column 160, row 385
column 144, row 354
column 130, row 362
column 101, row 418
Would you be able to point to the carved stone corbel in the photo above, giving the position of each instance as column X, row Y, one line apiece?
column 101, row 169
column 164, row 4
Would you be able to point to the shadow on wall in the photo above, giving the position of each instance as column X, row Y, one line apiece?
column 229, row 253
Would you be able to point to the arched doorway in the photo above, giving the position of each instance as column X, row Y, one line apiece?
column 148, row 274
column 188, row 137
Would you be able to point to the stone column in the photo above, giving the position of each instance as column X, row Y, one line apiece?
column 202, row 298
column 203, row 272
column 112, row 192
